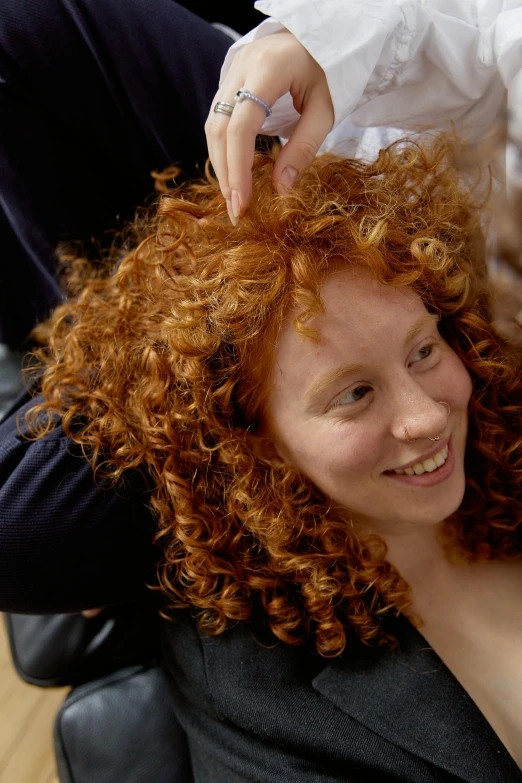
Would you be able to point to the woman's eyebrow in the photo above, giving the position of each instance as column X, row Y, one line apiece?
column 323, row 383
column 428, row 319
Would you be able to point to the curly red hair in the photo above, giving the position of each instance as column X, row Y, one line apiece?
column 161, row 366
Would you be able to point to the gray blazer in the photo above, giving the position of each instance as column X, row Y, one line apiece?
column 258, row 710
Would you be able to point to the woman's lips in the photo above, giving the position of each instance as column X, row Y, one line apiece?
column 431, row 453
column 428, row 479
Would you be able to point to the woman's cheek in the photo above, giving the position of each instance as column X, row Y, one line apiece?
column 340, row 459
column 459, row 384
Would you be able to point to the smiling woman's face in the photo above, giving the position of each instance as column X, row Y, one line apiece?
column 365, row 400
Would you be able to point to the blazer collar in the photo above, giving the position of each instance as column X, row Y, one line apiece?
column 412, row 699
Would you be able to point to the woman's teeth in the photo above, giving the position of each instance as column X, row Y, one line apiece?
column 428, row 465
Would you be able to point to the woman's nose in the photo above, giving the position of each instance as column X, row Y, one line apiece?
column 421, row 416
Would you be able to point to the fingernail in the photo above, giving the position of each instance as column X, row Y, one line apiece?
column 89, row 613
column 236, row 204
column 286, row 180
column 233, row 218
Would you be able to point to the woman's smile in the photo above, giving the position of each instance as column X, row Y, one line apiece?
column 428, row 471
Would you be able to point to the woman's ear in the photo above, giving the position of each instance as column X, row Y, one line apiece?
column 265, row 449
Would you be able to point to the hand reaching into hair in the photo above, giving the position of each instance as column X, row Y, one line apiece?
column 268, row 68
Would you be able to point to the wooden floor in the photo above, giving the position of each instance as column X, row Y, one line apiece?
column 26, row 721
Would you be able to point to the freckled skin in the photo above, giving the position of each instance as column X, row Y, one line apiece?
column 346, row 448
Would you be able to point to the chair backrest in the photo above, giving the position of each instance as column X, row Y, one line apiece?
column 53, row 650
column 121, row 728
column 117, row 725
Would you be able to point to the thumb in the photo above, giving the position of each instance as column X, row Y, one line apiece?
column 311, row 130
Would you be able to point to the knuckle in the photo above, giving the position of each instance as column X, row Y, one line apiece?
column 306, row 149
column 235, row 131
column 239, row 131
column 215, row 128
column 307, row 146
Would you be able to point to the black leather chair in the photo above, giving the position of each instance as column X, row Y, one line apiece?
column 117, row 724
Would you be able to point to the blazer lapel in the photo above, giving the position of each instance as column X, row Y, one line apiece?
column 412, row 699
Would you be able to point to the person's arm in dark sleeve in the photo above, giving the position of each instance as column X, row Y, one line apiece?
column 66, row 542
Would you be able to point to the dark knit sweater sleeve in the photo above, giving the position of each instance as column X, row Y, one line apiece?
column 66, row 542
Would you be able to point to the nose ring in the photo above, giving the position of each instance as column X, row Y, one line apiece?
column 441, row 402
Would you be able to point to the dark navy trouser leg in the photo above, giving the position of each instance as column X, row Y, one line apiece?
column 94, row 94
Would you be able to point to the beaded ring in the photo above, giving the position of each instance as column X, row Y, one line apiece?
column 242, row 95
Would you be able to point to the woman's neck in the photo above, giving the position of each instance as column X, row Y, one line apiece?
column 420, row 559
column 463, row 591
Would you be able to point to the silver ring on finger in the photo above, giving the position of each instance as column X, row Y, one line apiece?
column 223, row 108
column 242, row 95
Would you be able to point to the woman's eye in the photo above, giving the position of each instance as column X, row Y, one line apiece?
column 353, row 396
column 423, row 353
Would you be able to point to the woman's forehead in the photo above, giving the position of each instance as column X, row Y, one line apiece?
column 357, row 304
column 357, row 289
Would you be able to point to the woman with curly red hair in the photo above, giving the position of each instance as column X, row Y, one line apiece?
column 324, row 419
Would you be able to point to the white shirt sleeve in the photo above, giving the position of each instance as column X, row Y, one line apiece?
column 402, row 63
